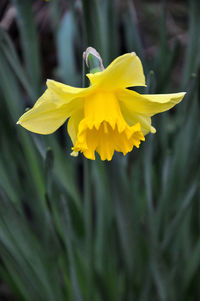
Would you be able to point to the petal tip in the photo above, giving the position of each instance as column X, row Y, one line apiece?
column 74, row 154
column 153, row 130
column 18, row 122
column 48, row 80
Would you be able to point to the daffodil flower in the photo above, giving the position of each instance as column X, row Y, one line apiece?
column 104, row 117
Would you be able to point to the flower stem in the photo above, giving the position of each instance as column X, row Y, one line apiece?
column 83, row 73
column 88, row 228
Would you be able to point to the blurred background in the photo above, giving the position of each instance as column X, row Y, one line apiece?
column 119, row 231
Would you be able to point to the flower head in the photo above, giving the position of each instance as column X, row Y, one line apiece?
column 104, row 117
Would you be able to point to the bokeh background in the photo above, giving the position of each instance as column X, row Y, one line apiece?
column 120, row 231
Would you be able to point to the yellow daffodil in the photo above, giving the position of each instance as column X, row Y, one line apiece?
column 104, row 117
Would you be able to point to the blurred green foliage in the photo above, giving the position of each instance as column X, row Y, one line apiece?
column 120, row 231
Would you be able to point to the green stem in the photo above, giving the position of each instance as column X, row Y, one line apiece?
column 88, row 228
column 83, row 74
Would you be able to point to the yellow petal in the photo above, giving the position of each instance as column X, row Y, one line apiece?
column 68, row 93
column 73, row 124
column 124, row 71
column 132, row 118
column 48, row 113
column 148, row 104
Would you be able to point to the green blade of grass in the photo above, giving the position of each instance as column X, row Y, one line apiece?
column 29, row 41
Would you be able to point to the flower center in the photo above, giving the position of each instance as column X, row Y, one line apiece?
column 104, row 130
